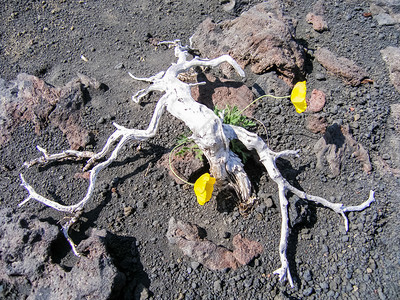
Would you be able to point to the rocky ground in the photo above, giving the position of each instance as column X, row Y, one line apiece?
column 346, row 50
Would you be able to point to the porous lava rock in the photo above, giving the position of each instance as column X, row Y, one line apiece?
column 316, row 102
column 26, row 266
column 333, row 147
column 316, row 123
column 391, row 55
column 316, row 17
column 385, row 12
column 30, row 99
column 318, row 22
column 341, row 66
column 220, row 93
column 262, row 37
column 189, row 238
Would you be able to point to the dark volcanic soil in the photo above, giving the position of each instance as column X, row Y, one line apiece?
column 48, row 38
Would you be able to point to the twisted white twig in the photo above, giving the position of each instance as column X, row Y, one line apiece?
column 211, row 136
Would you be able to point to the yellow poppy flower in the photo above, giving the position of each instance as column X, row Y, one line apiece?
column 203, row 188
column 298, row 97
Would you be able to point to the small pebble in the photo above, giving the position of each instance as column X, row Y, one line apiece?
column 127, row 211
column 226, row 235
column 324, row 285
column 261, row 208
column 325, row 249
column 269, row 203
column 141, row 204
column 320, row 76
column 119, row 66
column 307, row 275
column 101, row 120
column 217, row 286
column 334, row 110
column 248, row 283
column 276, row 110
column 308, row 291
column 194, row 265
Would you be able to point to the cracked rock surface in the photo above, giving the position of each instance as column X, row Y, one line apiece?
column 27, row 267
column 30, row 99
column 188, row 237
column 261, row 38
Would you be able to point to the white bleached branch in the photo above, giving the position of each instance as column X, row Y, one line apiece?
column 212, row 137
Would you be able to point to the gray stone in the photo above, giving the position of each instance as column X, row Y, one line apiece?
column 324, row 285
column 307, row 275
column 276, row 110
column 28, row 238
column 228, row 5
column 217, row 286
column 119, row 66
column 270, row 83
column 248, row 282
column 308, row 291
column 194, row 265
column 385, row 12
column 142, row 292
column 384, row 19
column 320, row 76
column 261, row 208
column 299, row 212
column 331, row 149
column 268, row 202
column 389, row 163
column 391, row 55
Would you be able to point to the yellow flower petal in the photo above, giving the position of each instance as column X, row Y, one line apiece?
column 298, row 97
column 203, row 188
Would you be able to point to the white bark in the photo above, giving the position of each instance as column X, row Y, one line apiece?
column 268, row 158
column 211, row 136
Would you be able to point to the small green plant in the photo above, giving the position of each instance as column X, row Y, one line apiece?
column 233, row 116
column 188, row 145
column 240, row 149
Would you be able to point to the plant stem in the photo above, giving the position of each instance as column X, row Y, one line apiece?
column 170, row 163
column 259, row 98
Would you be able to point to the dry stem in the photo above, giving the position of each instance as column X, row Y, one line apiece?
column 212, row 137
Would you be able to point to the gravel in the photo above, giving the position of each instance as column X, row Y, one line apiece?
column 47, row 39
